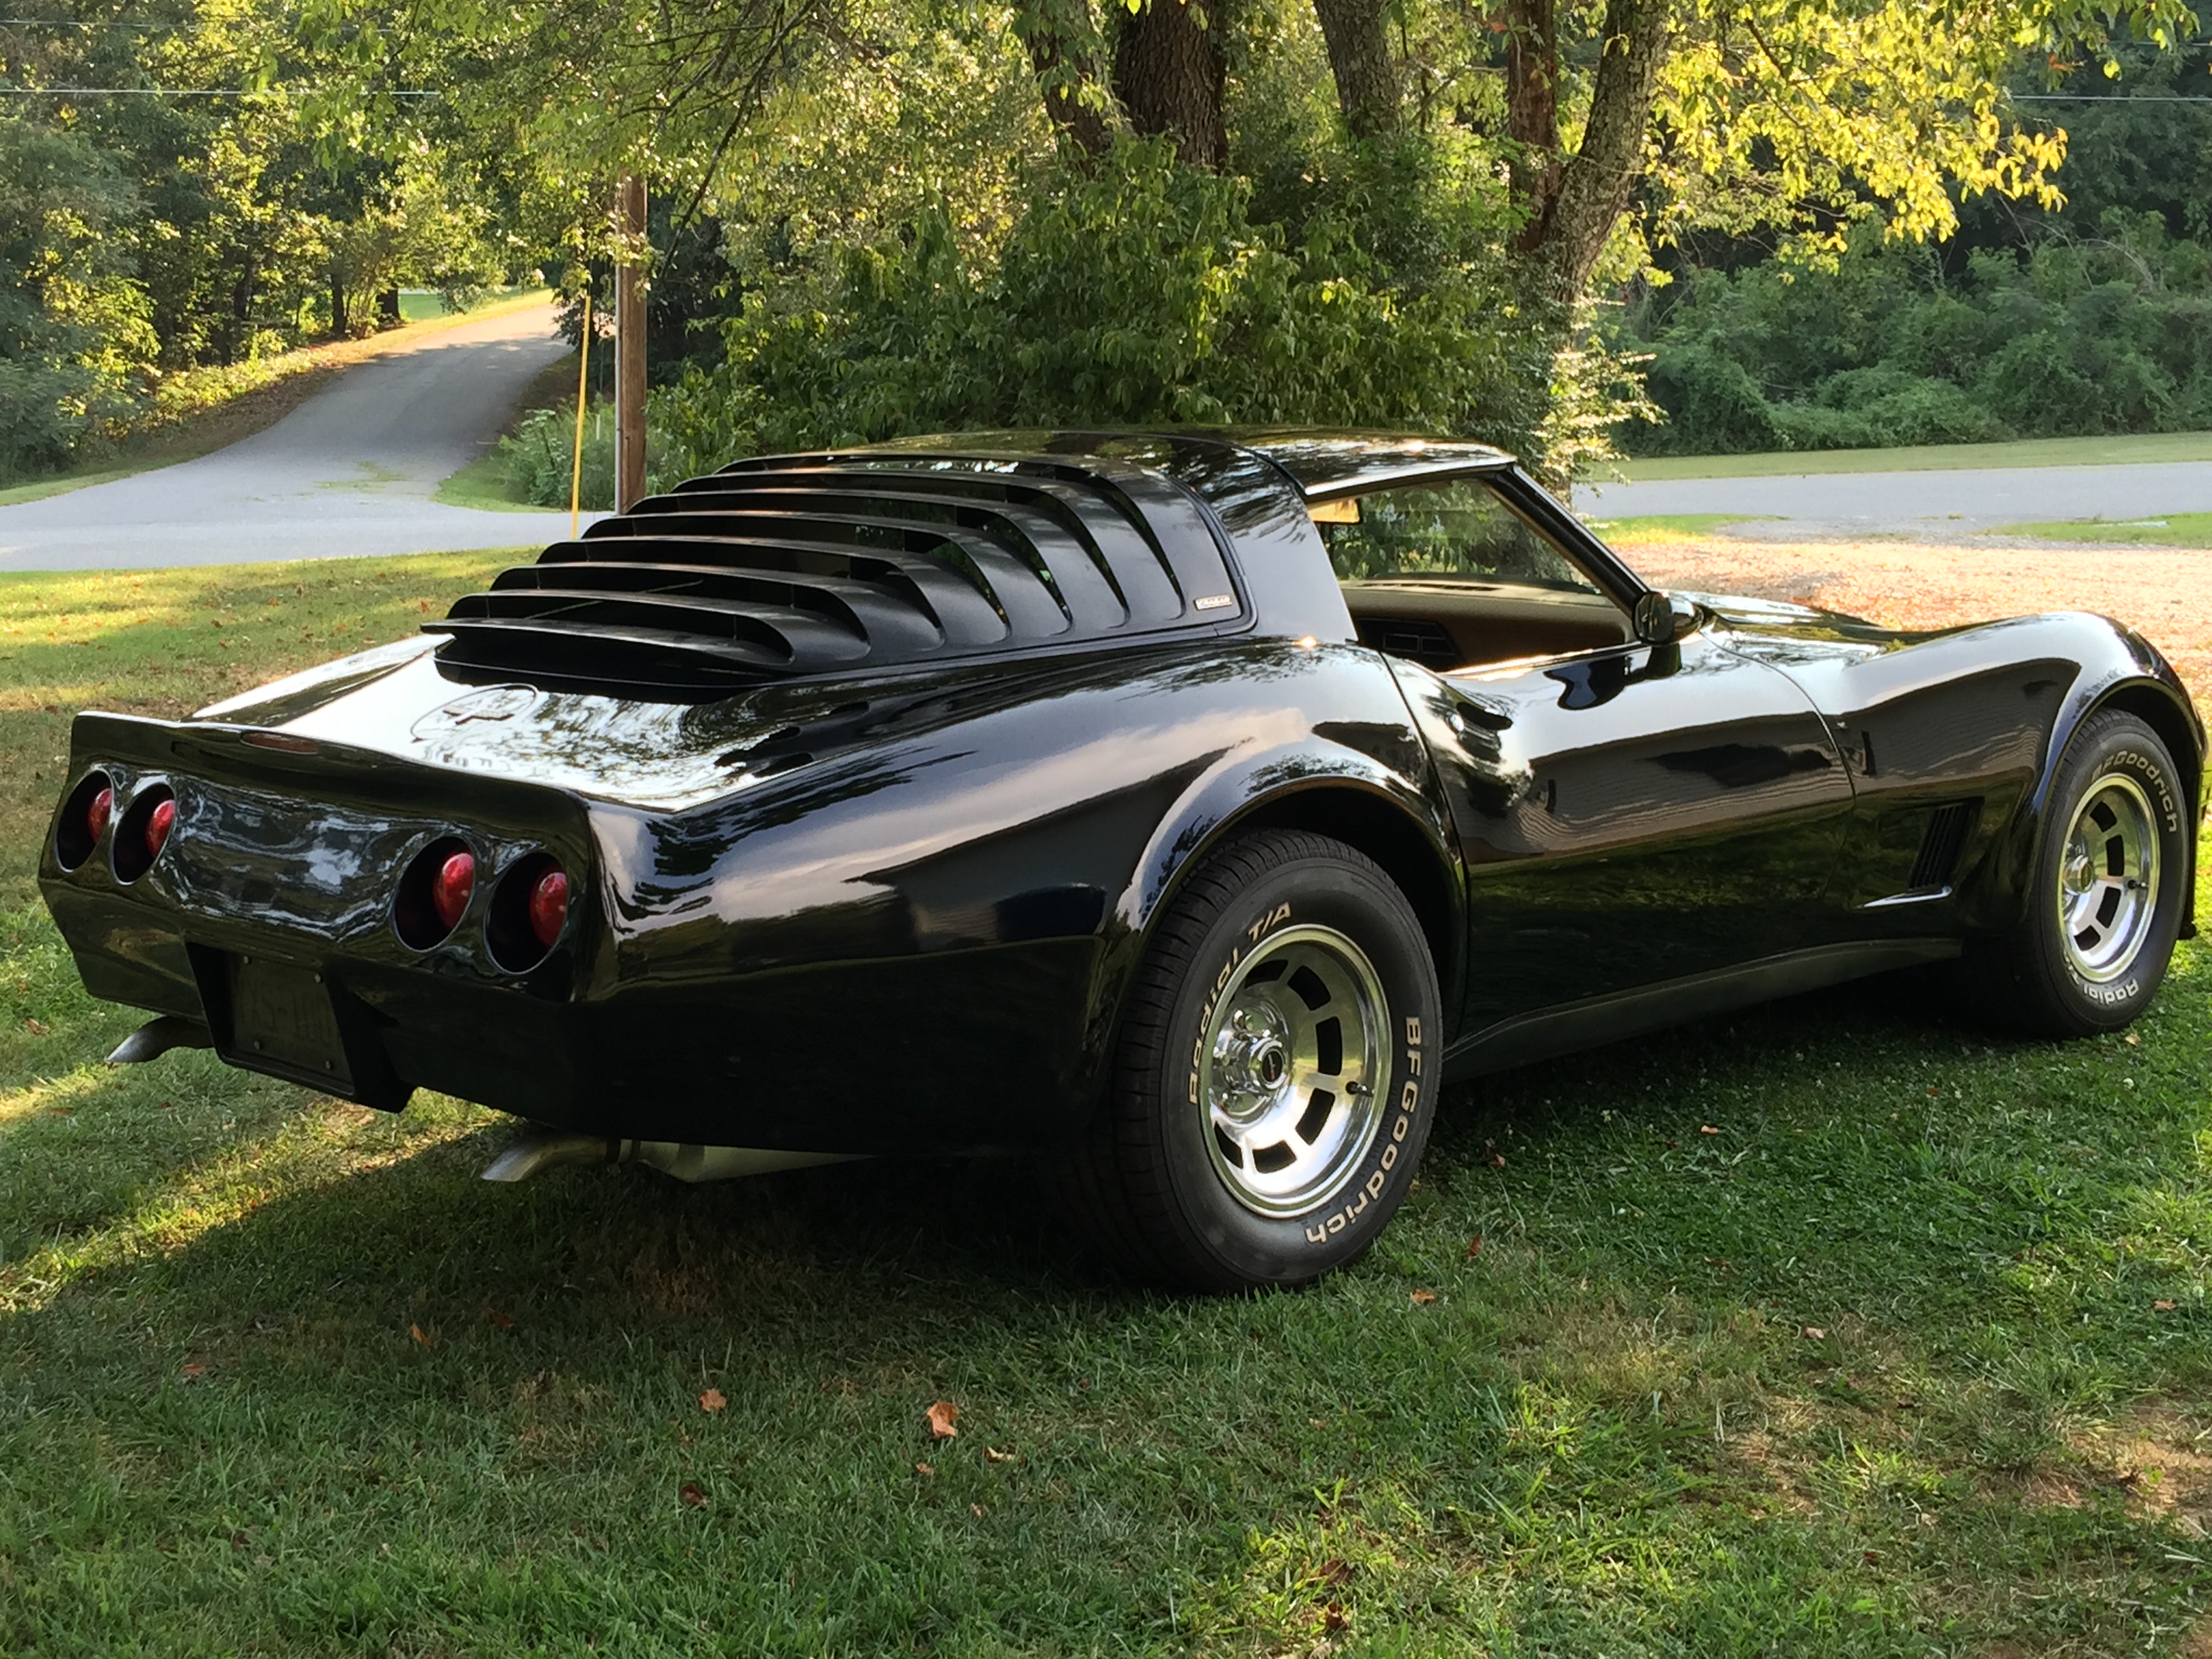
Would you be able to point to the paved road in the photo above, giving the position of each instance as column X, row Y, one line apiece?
column 1924, row 506
column 349, row 471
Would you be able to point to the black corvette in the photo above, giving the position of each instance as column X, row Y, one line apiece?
column 1186, row 809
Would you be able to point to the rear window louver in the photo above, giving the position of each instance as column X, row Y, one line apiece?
column 778, row 569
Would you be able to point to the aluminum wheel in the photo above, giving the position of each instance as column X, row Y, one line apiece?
column 1294, row 1070
column 2108, row 880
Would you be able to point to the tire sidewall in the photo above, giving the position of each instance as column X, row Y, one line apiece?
column 2117, row 747
column 1370, row 911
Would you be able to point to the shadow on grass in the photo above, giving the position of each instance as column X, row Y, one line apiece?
column 1818, row 1379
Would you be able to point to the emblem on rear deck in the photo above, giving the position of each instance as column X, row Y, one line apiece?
column 493, row 703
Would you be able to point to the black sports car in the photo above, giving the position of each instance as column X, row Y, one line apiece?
column 1187, row 808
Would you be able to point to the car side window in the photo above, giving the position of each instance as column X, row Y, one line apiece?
column 1459, row 527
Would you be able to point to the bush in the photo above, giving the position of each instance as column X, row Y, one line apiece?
column 2072, row 337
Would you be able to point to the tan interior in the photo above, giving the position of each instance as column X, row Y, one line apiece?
column 1429, row 620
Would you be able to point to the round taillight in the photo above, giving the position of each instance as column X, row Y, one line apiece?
column 451, row 887
column 84, row 819
column 528, row 912
column 549, row 905
column 158, row 822
column 142, row 830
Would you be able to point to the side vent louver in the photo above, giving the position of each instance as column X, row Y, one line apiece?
column 1417, row 639
column 1945, row 839
column 795, row 566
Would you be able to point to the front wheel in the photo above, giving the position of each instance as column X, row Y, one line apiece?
column 1276, row 1074
column 2104, row 896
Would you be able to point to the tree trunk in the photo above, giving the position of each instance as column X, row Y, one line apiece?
column 337, row 306
column 1359, row 57
column 1572, row 206
column 387, row 308
column 1170, row 73
column 1064, row 49
column 1532, row 112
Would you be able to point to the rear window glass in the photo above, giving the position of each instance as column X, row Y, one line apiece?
column 1459, row 527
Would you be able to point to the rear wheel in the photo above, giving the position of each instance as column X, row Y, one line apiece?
column 1275, row 1076
column 2105, row 896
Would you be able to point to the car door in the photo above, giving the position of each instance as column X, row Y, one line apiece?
column 1630, row 816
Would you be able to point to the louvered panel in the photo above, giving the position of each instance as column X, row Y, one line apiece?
column 1030, row 608
column 787, row 634
column 862, row 608
column 789, row 567
column 951, row 602
column 1059, row 541
column 1120, row 547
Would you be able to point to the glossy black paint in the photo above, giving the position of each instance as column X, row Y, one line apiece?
column 895, row 910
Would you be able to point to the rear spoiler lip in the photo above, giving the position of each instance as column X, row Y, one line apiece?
column 340, row 772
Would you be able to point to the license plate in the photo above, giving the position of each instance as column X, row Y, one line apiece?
column 281, row 1018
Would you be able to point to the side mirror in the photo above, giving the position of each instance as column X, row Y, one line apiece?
column 1663, row 618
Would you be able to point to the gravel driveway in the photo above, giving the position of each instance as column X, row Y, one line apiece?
column 2165, row 593
column 349, row 473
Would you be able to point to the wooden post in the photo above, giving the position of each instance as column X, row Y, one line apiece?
column 629, row 347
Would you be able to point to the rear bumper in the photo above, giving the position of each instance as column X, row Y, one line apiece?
column 961, row 1050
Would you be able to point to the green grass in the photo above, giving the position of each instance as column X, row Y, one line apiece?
column 486, row 483
column 1933, row 458
column 419, row 304
column 2175, row 530
column 1658, row 527
column 1615, row 1429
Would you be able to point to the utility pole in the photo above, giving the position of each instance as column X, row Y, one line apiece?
column 629, row 345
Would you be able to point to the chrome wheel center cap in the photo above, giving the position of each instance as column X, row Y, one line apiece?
column 1251, row 1060
column 2079, row 878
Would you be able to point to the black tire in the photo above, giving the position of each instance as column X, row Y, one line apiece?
column 2032, row 981
column 1146, row 1182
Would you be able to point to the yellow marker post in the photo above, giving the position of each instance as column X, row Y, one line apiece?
column 576, row 460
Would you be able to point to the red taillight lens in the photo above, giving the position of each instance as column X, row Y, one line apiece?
column 449, row 891
column 97, row 814
column 158, row 822
column 549, row 905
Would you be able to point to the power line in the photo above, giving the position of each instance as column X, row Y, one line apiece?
column 190, row 91
column 2102, row 98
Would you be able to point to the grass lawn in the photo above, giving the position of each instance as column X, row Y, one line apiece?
column 1659, row 527
column 1932, row 457
column 2175, row 530
column 1831, row 1329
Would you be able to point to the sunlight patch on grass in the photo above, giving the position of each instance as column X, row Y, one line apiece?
column 2141, row 449
column 1662, row 527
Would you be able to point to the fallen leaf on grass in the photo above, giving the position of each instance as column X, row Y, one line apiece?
column 1424, row 1296
column 57, row 1111
column 923, row 1469
column 192, row 1369
column 1707, row 1129
column 2134, row 1040
column 1474, row 1247
column 711, row 1401
column 992, row 1454
column 692, row 1496
column 1334, row 1618
column 2163, row 1305
column 416, row 1331
column 942, row 1416
column 505, row 1321
column 975, row 1509
column 1814, row 1333
column 1496, row 1160
column 1332, row 1572
column 37, row 1027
